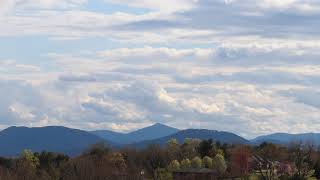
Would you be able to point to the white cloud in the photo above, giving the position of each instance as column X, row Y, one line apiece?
column 226, row 65
column 11, row 66
column 130, row 87
column 22, row 111
column 305, row 6
column 6, row 6
column 163, row 5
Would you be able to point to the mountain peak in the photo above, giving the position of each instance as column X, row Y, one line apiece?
column 154, row 131
column 159, row 125
column 203, row 134
column 156, row 128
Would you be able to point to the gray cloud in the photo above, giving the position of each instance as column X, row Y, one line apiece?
column 306, row 96
column 226, row 65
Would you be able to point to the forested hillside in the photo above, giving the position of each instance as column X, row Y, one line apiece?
column 266, row 162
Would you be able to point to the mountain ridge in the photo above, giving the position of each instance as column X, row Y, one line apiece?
column 287, row 138
column 154, row 131
column 74, row 141
column 60, row 139
column 202, row 134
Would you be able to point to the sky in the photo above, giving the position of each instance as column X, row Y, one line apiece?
column 246, row 66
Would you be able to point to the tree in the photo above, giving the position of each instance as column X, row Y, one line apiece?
column 205, row 147
column 196, row 163
column 51, row 162
column 207, row 162
column 317, row 169
column 162, row 174
column 219, row 164
column 99, row 150
column 29, row 156
column 301, row 156
column 117, row 161
column 185, row 164
column 174, row 166
column 189, row 148
column 154, row 158
column 173, row 149
column 26, row 166
column 271, row 152
column 266, row 160
column 172, row 143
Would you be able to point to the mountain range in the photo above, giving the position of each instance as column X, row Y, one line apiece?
column 148, row 133
column 204, row 134
column 72, row 142
column 13, row 140
column 286, row 139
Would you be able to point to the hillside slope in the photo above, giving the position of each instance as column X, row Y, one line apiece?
column 285, row 138
column 203, row 134
column 55, row 139
column 148, row 133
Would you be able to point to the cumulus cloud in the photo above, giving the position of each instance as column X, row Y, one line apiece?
column 131, row 87
column 227, row 65
column 307, row 96
column 199, row 21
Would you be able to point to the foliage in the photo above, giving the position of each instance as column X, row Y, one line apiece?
column 173, row 149
column 219, row 164
column 205, row 147
column 196, row 163
column 301, row 156
column 29, row 157
column 207, row 162
column 174, row 166
column 185, row 164
column 189, row 148
column 162, row 174
column 154, row 158
column 266, row 161
column 172, row 143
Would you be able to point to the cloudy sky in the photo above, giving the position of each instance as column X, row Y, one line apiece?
column 246, row 66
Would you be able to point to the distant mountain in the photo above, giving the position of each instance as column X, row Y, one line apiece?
column 152, row 132
column 284, row 138
column 148, row 133
column 203, row 134
column 55, row 139
column 119, row 138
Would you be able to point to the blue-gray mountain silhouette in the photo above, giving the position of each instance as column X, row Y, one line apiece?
column 55, row 139
column 148, row 133
column 203, row 134
column 285, row 138
column 72, row 142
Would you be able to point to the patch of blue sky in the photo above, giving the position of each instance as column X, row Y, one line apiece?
column 24, row 48
column 109, row 8
column 27, row 50
column 35, row 49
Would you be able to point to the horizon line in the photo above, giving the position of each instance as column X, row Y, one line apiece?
column 87, row 130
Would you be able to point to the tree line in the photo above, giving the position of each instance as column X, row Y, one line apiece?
column 267, row 161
